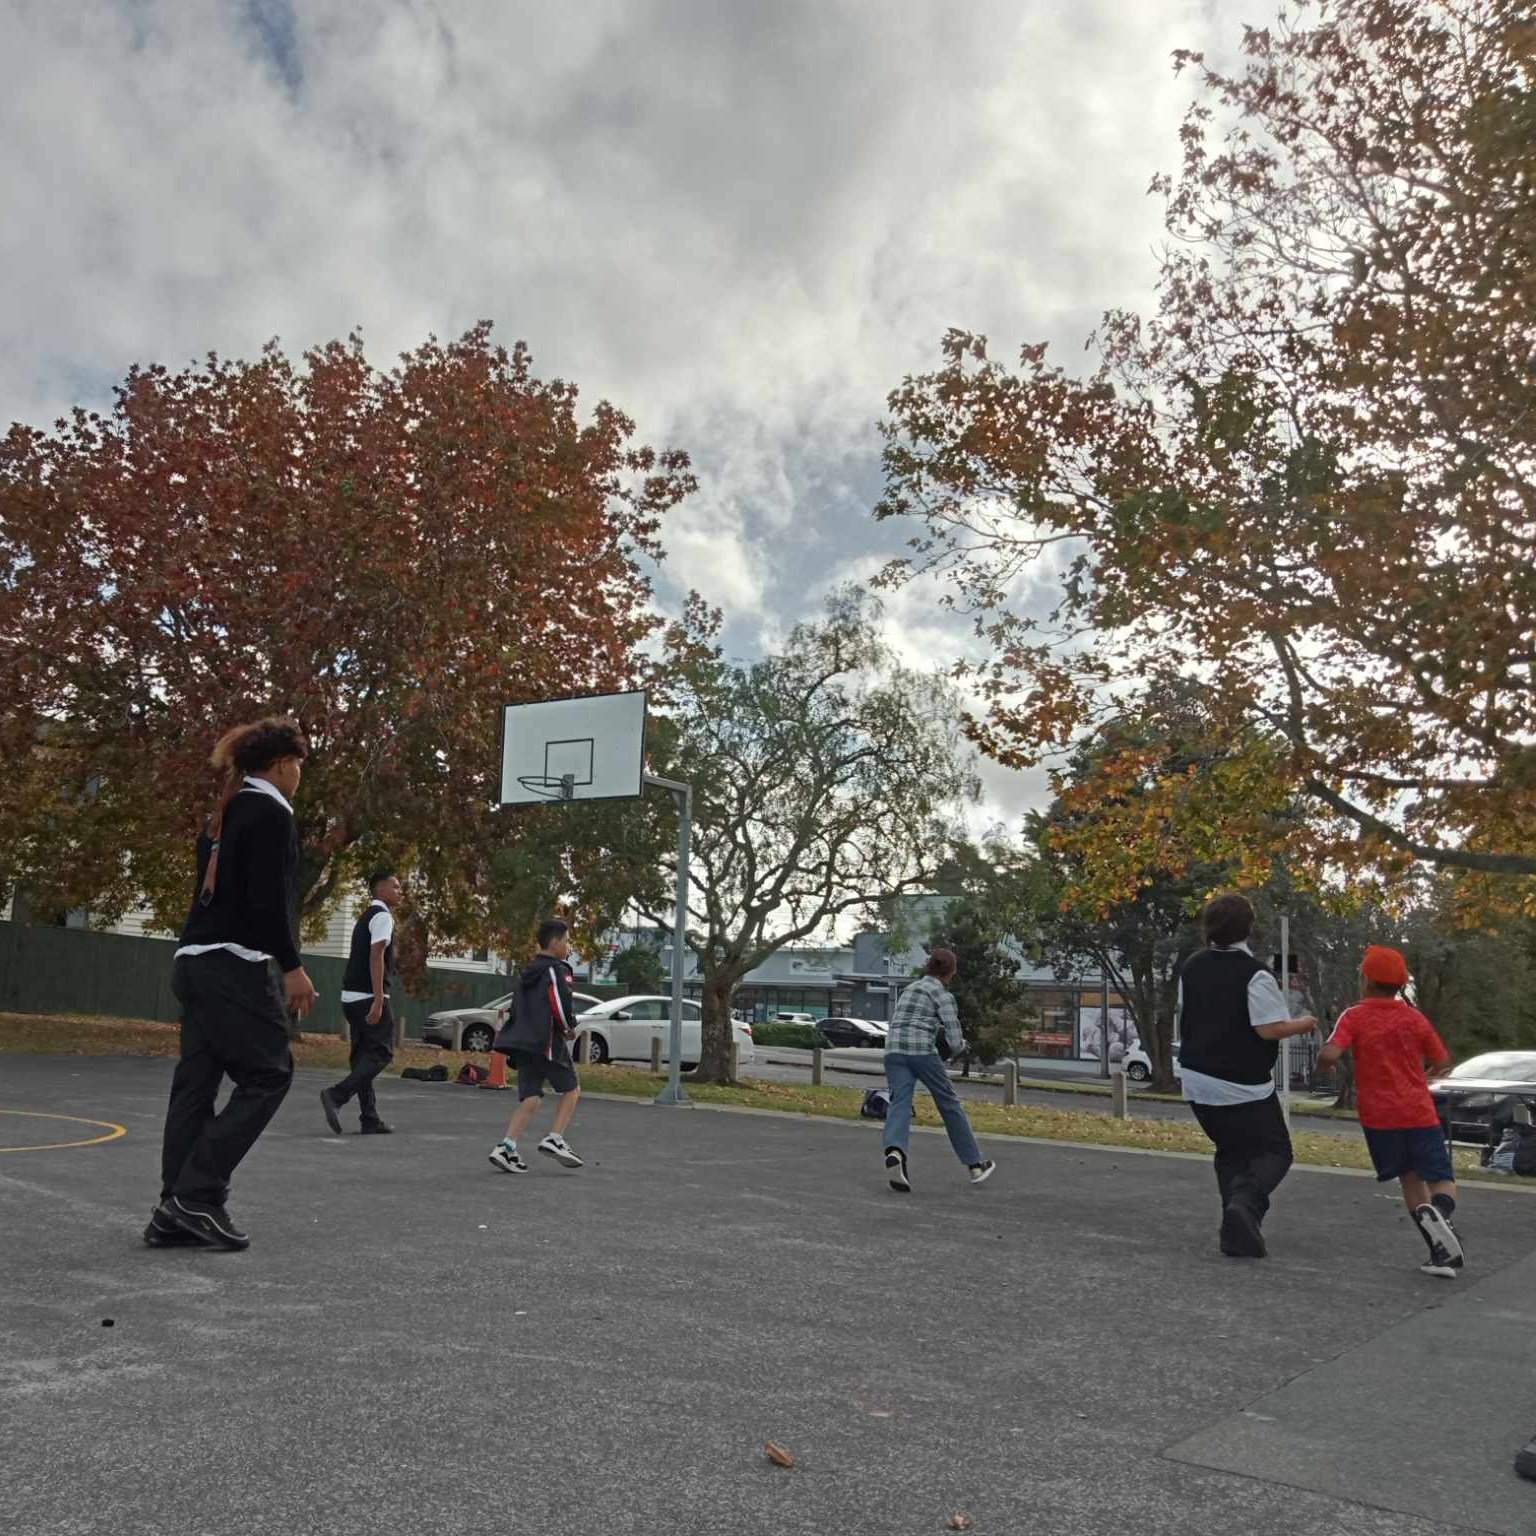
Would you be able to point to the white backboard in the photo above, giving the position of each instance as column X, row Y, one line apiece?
column 586, row 748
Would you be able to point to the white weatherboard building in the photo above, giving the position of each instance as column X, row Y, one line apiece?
column 139, row 923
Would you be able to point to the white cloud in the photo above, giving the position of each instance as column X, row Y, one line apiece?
column 743, row 224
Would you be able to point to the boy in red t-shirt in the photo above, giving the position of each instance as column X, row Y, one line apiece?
column 1392, row 1044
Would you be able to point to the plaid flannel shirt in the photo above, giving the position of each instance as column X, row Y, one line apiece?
column 922, row 1010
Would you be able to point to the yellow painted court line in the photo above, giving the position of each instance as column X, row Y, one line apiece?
column 113, row 1131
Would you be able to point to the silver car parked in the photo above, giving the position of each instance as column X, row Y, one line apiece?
column 473, row 1029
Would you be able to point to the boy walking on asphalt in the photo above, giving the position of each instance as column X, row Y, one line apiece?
column 1392, row 1043
column 536, row 1039
column 365, row 1003
column 1232, row 1016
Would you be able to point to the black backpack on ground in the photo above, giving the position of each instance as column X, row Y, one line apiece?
column 876, row 1102
column 1525, row 1151
column 437, row 1073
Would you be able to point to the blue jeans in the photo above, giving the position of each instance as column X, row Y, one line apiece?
column 904, row 1073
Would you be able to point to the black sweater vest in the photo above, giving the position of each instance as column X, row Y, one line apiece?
column 358, row 976
column 1217, row 1035
column 254, row 889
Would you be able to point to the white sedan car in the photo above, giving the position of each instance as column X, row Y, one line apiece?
column 1138, row 1065
column 622, row 1030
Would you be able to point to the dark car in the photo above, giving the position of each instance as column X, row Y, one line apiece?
column 1481, row 1094
column 858, row 1033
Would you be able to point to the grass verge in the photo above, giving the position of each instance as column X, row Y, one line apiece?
column 56, row 1034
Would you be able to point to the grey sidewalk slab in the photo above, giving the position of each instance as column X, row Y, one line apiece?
column 1424, row 1418
column 417, row 1344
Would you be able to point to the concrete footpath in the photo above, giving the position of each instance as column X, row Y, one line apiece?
column 416, row 1344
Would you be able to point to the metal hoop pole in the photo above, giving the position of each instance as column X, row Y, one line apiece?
column 683, row 793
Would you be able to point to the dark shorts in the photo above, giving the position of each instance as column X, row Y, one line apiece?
column 1421, row 1150
column 534, row 1071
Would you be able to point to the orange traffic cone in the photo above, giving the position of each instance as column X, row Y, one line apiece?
column 498, row 1077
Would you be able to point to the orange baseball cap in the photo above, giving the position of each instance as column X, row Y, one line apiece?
column 1384, row 966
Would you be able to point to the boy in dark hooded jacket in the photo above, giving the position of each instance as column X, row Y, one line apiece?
column 535, row 1038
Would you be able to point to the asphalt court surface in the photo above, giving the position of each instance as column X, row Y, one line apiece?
column 417, row 1344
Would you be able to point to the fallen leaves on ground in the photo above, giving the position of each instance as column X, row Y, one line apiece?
column 777, row 1454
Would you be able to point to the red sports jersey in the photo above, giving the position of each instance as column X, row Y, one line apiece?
column 1391, row 1043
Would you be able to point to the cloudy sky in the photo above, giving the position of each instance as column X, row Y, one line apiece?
column 741, row 220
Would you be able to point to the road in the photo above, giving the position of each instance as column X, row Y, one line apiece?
column 416, row 1343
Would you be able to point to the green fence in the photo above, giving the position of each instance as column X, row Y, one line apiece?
column 47, row 969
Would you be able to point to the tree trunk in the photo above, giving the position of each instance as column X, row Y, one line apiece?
column 715, row 1050
column 1344, row 1082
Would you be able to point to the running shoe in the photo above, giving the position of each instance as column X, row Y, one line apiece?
column 508, row 1159
column 896, row 1170
column 558, row 1148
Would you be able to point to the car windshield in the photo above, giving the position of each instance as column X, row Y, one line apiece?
column 1499, row 1067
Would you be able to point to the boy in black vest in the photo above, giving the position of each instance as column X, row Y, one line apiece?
column 365, row 1002
column 1231, row 1018
column 536, row 1038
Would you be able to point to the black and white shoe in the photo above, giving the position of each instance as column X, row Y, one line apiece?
column 210, row 1223
column 981, row 1172
column 896, row 1170
column 508, row 1159
column 1439, row 1263
column 1444, row 1243
column 162, row 1232
column 558, row 1148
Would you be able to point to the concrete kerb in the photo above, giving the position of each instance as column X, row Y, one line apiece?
column 1525, row 1187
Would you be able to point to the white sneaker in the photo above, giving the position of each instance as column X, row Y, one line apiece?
column 508, row 1159
column 558, row 1148
column 981, row 1172
column 896, row 1170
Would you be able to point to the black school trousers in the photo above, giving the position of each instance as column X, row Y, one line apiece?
column 373, row 1048
column 234, row 1024
column 1253, row 1149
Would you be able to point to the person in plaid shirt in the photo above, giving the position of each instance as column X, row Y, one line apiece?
column 923, row 1013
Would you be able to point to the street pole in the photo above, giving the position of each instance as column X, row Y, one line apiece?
column 683, row 794
column 1285, row 1044
column 1104, row 1020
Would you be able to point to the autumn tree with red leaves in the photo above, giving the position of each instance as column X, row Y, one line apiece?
column 1310, row 480
column 391, row 557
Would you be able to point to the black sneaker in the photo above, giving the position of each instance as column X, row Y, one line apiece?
column 1241, row 1237
column 896, row 1170
column 210, row 1223
column 1525, row 1461
column 330, row 1106
column 375, row 1128
column 162, row 1232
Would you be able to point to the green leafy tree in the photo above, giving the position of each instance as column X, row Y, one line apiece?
column 826, row 778
column 639, row 969
column 992, row 1002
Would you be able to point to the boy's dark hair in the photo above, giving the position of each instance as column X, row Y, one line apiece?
column 942, row 964
column 379, row 876
column 255, row 747
column 247, row 749
column 1228, row 919
column 552, row 928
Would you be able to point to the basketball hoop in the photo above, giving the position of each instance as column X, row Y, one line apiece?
column 563, row 788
